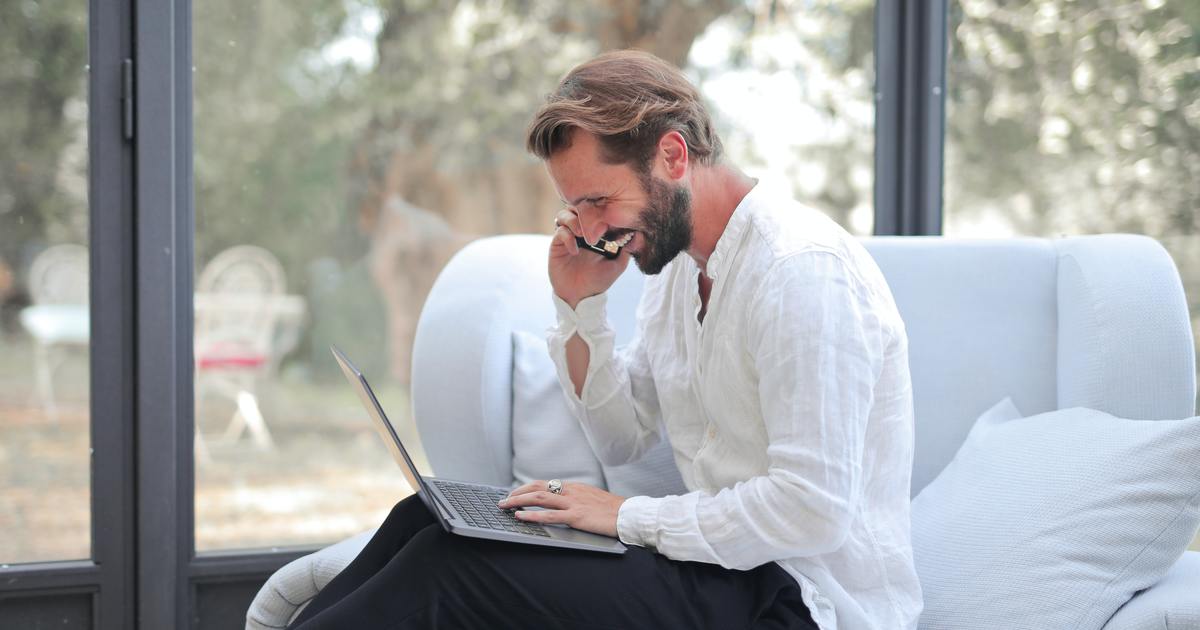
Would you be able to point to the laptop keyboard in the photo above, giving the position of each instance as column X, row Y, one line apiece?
column 477, row 506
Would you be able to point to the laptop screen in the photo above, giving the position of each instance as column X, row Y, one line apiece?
column 383, row 425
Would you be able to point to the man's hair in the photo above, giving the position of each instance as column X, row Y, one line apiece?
column 628, row 99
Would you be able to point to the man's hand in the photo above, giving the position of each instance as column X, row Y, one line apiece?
column 576, row 274
column 581, row 506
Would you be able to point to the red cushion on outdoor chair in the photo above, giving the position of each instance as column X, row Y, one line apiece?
column 230, row 360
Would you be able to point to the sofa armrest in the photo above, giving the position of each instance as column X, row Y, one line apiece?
column 1172, row 604
column 290, row 588
column 1125, row 338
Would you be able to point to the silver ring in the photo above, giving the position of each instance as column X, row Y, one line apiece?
column 555, row 486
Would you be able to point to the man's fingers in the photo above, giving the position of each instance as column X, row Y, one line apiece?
column 543, row 516
column 532, row 486
column 542, row 485
column 569, row 220
column 540, row 498
column 564, row 237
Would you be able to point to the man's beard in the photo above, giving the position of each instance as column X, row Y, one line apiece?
column 666, row 225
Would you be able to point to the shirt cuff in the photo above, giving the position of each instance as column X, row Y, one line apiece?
column 589, row 321
column 588, row 315
column 637, row 521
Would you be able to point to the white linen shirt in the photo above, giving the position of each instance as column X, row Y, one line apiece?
column 789, row 412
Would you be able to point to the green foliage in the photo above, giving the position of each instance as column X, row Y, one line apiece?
column 1075, row 117
column 273, row 121
column 463, row 77
column 43, row 57
column 821, row 55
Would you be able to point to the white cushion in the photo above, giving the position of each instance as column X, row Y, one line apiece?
column 547, row 442
column 654, row 475
column 1055, row 520
column 1172, row 604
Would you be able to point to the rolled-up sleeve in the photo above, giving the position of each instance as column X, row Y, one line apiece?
column 618, row 409
column 817, row 345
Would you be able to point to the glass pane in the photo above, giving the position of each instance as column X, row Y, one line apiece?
column 1082, row 117
column 345, row 149
column 791, row 85
column 45, row 477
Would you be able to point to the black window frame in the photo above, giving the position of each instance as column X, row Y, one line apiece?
column 99, row 591
column 910, row 79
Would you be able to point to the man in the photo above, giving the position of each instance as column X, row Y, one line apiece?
column 770, row 349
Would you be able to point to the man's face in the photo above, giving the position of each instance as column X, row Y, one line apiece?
column 614, row 201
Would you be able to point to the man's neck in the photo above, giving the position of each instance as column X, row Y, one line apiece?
column 716, row 192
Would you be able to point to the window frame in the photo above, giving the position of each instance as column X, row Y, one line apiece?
column 33, row 591
column 910, row 78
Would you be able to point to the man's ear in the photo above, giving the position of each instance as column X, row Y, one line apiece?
column 673, row 154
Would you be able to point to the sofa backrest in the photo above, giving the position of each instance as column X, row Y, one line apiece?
column 1094, row 321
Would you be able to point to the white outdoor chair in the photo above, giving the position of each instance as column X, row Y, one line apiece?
column 58, row 317
column 242, row 311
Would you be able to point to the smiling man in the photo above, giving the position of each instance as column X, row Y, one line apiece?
column 769, row 353
column 769, row 348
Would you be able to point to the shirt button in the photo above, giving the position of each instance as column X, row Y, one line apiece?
column 712, row 433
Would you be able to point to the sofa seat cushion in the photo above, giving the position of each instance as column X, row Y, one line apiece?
column 1055, row 520
column 1171, row 604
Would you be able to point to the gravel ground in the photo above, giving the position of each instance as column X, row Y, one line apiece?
column 328, row 477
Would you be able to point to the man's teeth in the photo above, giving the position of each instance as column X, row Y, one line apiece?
column 624, row 240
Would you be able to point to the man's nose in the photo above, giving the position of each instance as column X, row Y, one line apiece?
column 593, row 225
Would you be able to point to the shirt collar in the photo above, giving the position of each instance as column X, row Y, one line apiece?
column 723, row 254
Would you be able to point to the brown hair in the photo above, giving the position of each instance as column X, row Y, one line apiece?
column 628, row 99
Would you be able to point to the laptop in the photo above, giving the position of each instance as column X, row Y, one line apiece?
column 469, row 509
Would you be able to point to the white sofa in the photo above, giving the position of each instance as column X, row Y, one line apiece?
column 1094, row 321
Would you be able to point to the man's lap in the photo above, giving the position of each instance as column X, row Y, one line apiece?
column 469, row 582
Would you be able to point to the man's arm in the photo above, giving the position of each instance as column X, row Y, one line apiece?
column 577, row 362
column 818, row 346
column 619, row 427
column 611, row 393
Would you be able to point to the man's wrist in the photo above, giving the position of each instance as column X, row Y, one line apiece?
column 572, row 301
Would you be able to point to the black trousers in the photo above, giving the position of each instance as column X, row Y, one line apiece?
column 413, row 574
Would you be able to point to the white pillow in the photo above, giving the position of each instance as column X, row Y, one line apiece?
column 1054, row 521
column 547, row 442
column 654, row 475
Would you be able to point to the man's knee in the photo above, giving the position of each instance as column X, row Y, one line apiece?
column 408, row 514
column 409, row 506
column 432, row 549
